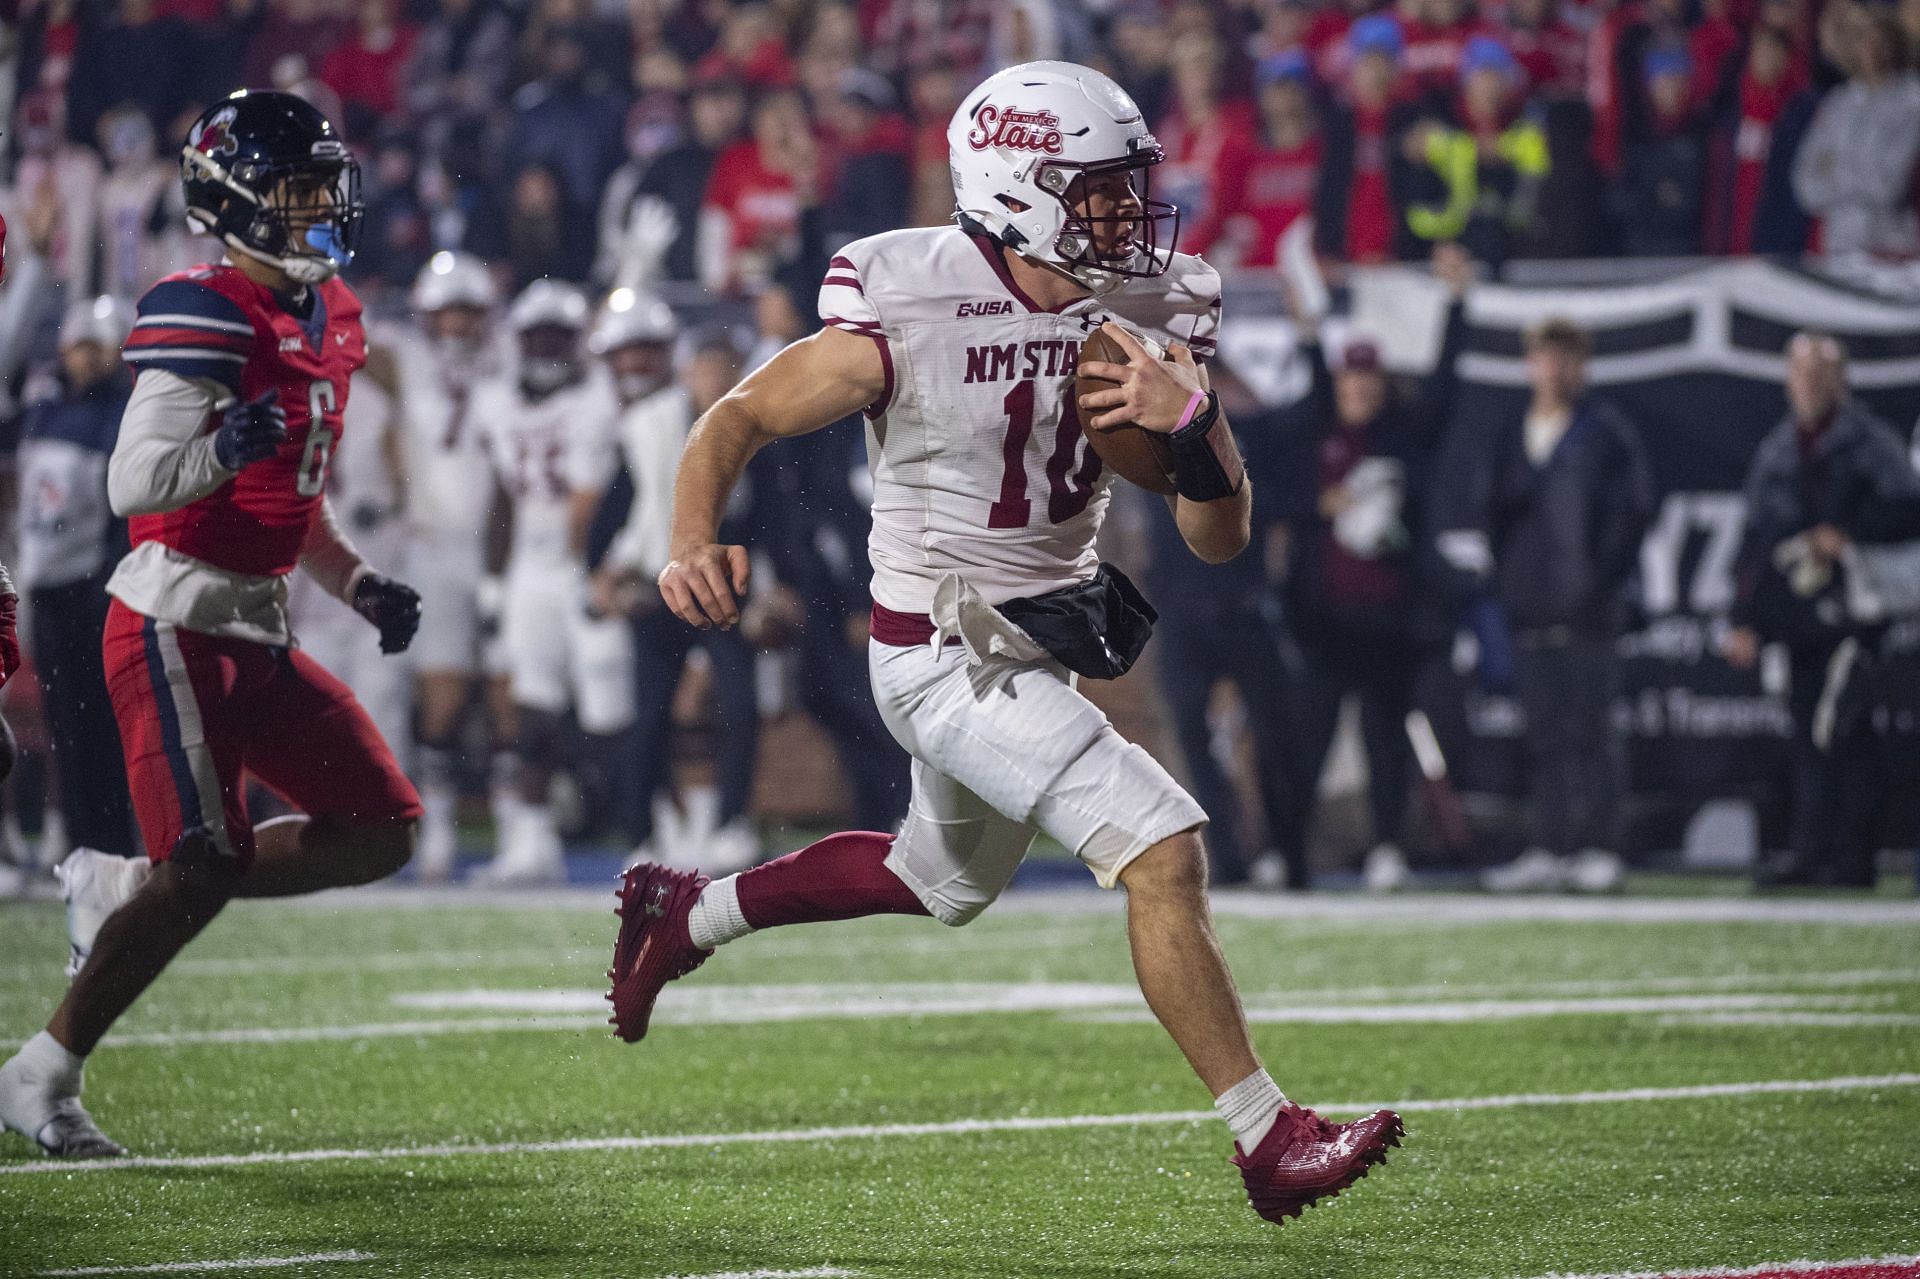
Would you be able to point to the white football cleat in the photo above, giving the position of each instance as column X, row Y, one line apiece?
column 733, row 847
column 529, row 851
column 1534, row 871
column 1595, row 870
column 47, row 1111
column 1386, row 869
column 439, row 841
column 94, row 885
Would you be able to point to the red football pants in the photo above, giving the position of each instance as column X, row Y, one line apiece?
column 198, row 713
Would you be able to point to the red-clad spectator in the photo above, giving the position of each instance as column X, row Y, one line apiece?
column 1767, row 84
column 752, row 47
column 294, row 29
column 1551, row 52
column 1436, row 36
column 1326, row 38
column 1263, row 186
column 364, row 69
column 1357, row 215
column 866, row 187
column 908, row 36
column 760, row 188
column 1715, row 43
column 1202, row 128
column 936, row 94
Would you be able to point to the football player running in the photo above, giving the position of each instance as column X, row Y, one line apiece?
column 960, row 345
column 439, row 370
column 548, row 429
column 221, row 465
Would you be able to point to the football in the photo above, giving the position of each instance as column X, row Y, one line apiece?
column 1134, row 453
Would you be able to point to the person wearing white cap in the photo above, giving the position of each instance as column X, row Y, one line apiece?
column 69, row 542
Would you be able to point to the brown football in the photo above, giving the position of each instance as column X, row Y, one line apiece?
column 1133, row 452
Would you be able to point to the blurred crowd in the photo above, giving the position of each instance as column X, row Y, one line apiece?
column 710, row 144
column 561, row 196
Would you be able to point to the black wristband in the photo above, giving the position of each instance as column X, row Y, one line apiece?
column 1206, row 461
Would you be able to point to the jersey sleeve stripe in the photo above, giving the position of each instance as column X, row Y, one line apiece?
column 843, row 282
column 151, row 353
column 186, row 335
column 841, row 262
column 869, row 327
column 189, row 320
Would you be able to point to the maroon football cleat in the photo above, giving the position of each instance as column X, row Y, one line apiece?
column 653, row 947
column 1305, row 1159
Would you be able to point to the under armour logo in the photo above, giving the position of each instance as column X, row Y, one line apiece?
column 340, row 338
column 657, row 907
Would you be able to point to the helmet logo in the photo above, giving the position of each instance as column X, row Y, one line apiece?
column 1012, row 129
column 215, row 137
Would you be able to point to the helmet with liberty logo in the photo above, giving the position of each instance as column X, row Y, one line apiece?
column 270, row 175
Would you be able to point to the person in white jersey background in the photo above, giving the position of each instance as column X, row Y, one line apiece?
column 440, row 366
column 548, row 429
column 961, row 344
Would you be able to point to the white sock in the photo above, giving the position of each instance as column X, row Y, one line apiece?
column 716, row 919
column 47, row 1063
column 1250, row 1108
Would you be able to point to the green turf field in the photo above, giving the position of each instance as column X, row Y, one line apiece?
column 405, row 1085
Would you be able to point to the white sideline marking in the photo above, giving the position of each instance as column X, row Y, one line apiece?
column 1498, row 1009
column 201, row 1267
column 1724, row 1272
column 723, row 1005
column 956, row 1127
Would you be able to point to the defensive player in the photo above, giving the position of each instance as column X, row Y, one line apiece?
column 242, row 373
column 548, row 430
column 449, row 487
column 961, row 345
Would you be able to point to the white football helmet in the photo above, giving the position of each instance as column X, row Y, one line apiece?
column 105, row 319
column 630, row 317
column 549, row 318
column 1017, row 144
column 453, row 279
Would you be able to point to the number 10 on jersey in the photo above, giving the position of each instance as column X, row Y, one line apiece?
column 1069, row 489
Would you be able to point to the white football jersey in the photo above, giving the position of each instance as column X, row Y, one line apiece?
column 544, row 451
column 979, row 465
column 449, row 477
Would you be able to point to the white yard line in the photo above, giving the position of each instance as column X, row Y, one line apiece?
column 202, row 1267
column 815, row 1272
column 579, row 1010
column 1495, row 1009
column 958, row 1127
column 1773, row 1268
column 1785, row 1018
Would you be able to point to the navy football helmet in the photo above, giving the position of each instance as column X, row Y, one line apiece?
column 270, row 175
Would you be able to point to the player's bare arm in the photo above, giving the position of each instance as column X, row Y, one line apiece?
column 813, row 383
column 1158, row 395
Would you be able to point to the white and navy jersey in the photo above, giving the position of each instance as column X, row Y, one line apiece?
column 449, row 477
column 979, row 465
column 66, row 529
column 544, row 451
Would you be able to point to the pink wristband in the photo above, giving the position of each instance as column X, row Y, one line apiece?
column 1193, row 406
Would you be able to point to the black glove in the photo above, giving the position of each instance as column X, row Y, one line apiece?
column 393, row 607
column 251, row 431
